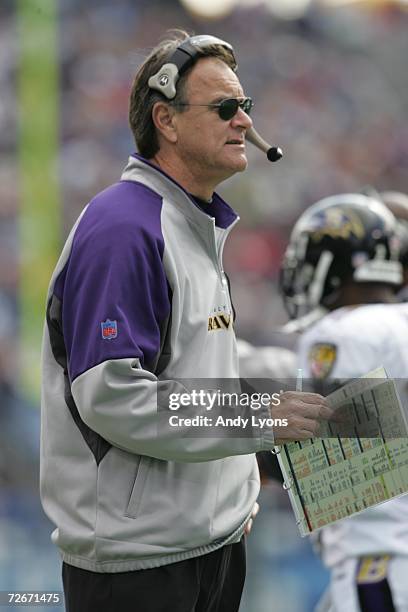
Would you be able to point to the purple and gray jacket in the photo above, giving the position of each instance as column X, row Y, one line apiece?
column 135, row 301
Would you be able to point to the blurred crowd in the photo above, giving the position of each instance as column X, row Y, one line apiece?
column 329, row 88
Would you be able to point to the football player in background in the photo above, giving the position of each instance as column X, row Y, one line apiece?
column 343, row 256
column 265, row 361
column 397, row 203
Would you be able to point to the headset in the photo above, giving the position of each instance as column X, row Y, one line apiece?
column 185, row 56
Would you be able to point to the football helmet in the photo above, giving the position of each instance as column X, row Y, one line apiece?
column 340, row 238
column 397, row 203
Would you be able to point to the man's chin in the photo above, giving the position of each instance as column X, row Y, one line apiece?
column 226, row 168
column 244, row 164
column 239, row 164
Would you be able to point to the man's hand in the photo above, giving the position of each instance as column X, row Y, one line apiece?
column 303, row 411
column 250, row 522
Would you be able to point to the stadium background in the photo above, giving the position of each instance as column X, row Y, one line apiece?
column 329, row 82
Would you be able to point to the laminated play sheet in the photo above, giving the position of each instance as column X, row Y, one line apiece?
column 337, row 474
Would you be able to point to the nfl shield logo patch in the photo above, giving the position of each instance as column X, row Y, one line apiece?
column 109, row 329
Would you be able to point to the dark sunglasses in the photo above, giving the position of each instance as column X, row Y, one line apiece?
column 228, row 108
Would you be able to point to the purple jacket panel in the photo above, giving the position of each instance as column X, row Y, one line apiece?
column 115, row 295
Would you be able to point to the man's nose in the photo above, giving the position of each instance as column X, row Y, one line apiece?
column 241, row 119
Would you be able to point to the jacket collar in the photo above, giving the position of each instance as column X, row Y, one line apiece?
column 141, row 170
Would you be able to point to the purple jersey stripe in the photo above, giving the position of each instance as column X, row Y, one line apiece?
column 375, row 597
column 114, row 291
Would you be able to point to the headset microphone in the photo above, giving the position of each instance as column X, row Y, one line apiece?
column 272, row 153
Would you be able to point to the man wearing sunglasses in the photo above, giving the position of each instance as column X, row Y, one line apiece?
column 197, row 136
column 151, row 518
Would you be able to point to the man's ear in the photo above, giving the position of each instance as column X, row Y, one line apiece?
column 162, row 116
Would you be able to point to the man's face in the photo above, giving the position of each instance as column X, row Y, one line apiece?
column 206, row 144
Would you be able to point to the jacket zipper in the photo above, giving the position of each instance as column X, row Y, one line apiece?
column 218, row 252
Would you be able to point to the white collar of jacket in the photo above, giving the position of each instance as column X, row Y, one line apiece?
column 141, row 170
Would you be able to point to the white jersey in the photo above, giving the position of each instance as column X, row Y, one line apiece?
column 347, row 343
column 265, row 361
